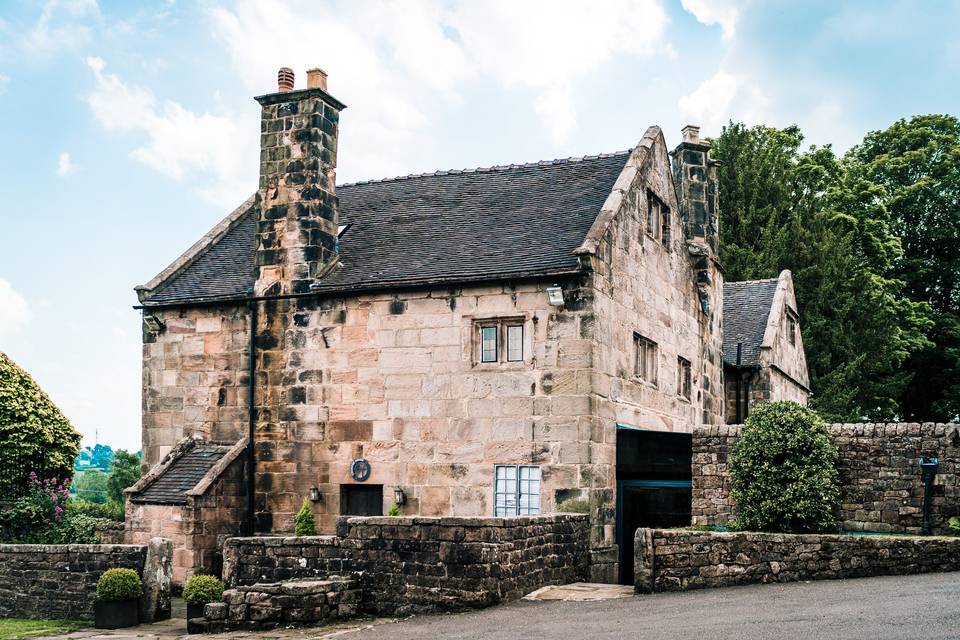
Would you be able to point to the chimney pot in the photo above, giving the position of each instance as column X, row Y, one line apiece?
column 285, row 79
column 691, row 133
column 317, row 79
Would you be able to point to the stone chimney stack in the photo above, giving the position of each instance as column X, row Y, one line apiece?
column 297, row 228
column 695, row 175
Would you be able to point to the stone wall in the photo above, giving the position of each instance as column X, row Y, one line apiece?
column 678, row 560
column 194, row 378
column 267, row 606
column 881, row 485
column 60, row 581
column 410, row 565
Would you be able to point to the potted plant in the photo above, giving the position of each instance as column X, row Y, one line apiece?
column 118, row 599
column 198, row 592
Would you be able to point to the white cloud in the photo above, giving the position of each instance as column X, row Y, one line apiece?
column 61, row 26
column 393, row 62
column 721, row 12
column 180, row 143
column 14, row 309
column 724, row 97
column 65, row 165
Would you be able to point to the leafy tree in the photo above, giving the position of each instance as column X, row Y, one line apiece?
column 783, row 208
column 124, row 472
column 90, row 486
column 783, row 471
column 914, row 165
column 98, row 456
column 33, row 431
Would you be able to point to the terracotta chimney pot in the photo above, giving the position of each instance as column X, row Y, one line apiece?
column 317, row 79
column 285, row 79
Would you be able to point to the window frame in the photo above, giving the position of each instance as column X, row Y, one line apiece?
column 684, row 378
column 658, row 227
column 650, row 351
column 518, row 494
column 793, row 325
column 503, row 328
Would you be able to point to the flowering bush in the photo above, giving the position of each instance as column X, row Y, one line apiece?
column 43, row 516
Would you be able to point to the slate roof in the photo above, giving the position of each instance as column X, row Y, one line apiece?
column 449, row 226
column 181, row 476
column 746, row 309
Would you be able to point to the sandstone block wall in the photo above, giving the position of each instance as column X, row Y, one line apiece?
column 881, row 485
column 266, row 606
column 410, row 565
column 194, row 379
column 679, row 560
column 59, row 580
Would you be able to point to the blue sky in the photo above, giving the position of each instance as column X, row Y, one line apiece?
column 128, row 129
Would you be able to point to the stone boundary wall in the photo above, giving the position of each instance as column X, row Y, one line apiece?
column 417, row 565
column 267, row 606
column 60, row 581
column 679, row 560
column 881, row 485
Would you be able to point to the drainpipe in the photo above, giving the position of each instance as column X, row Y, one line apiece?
column 252, row 420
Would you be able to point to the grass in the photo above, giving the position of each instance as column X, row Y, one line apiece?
column 17, row 628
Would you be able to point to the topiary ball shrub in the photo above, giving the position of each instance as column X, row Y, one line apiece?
column 201, row 589
column 304, row 524
column 784, row 471
column 116, row 585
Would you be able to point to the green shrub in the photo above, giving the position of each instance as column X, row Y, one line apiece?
column 953, row 526
column 573, row 505
column 305, row 525
column 73, row 528
column 32, row 429
column 107, row 511
column 394, row 510
column 119, row 584
column 202, row 589
column 784, row 471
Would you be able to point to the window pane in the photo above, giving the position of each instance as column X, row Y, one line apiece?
column 488, row 344
column 515, row 343
column 529, row 502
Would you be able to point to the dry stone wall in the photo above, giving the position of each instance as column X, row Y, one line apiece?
column 680, row 560
column 410, row 565
column 60, row 581
column 881, row 485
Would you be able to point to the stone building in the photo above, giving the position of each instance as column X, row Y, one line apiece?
column 478, row 342
column 763, row 357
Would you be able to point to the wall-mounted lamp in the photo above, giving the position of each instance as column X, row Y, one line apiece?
column 399, row 497
column 315, row 494
column 555, row 296
column 153, row 322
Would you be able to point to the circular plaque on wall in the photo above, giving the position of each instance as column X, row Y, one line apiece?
column 360, row 469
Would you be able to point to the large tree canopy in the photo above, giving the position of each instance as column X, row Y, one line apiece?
column 804, row 210
column 915, row 167
column 34, row 434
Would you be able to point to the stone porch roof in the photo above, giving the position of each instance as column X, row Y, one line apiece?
column 185, row 472
column 746, row 310
column 445, row 227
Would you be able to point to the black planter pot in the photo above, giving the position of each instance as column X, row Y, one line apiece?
column 195, row 611
column 116, row 614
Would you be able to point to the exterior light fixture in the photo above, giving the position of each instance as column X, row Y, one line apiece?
column 399, row 497
column 153, row 322
column 315, row 494
column 555, row 295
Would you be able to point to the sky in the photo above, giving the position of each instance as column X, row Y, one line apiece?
column 128, row 129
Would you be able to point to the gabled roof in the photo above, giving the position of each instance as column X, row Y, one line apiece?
column 746, row 309
column 182, row 475
column 450, row 226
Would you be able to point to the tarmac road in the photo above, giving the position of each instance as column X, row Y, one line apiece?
column 925, row 607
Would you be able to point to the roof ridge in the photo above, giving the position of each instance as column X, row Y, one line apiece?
column 752, row 281
column 499, row 167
